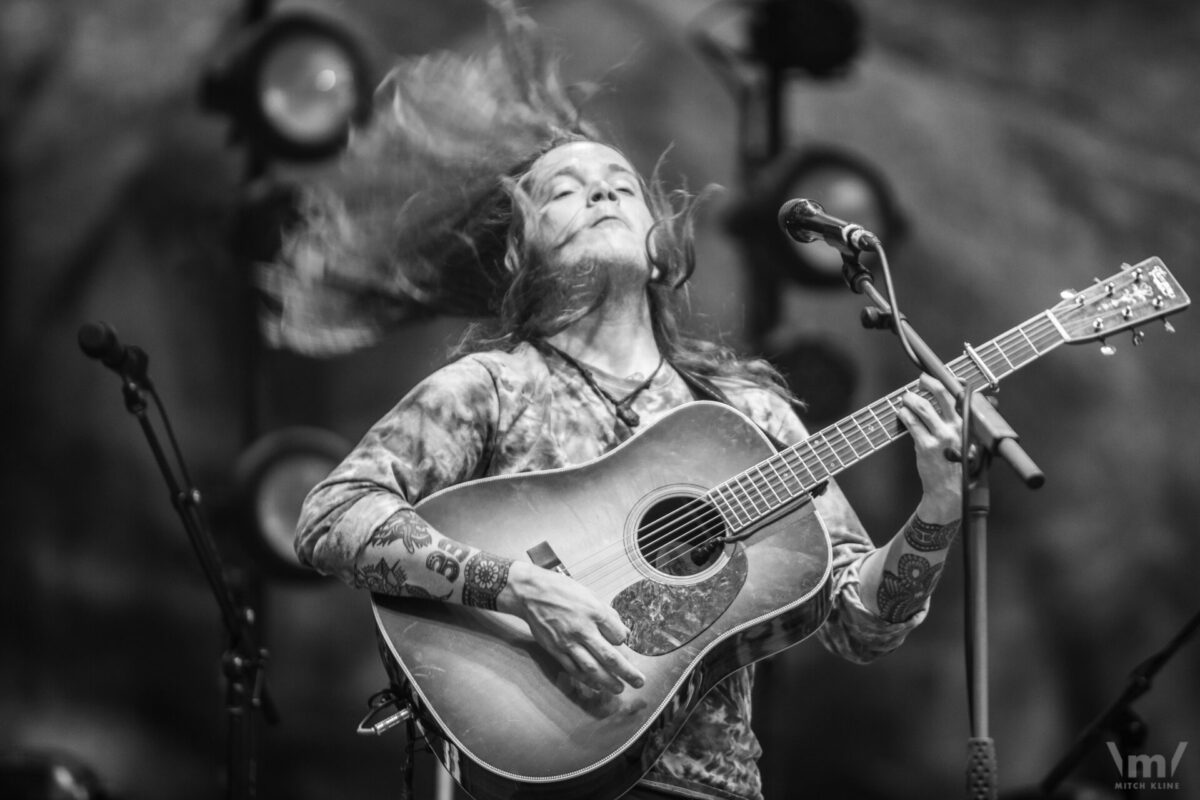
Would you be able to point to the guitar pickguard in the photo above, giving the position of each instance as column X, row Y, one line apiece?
column 664, row 617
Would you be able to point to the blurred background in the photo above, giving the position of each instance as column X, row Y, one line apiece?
column 1004, row 152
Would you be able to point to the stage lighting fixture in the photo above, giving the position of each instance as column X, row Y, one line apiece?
column 294, row 85
column 820, row 37
column 272, row 477
column 847, row 186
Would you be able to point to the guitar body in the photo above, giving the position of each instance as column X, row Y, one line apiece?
column 502, row 715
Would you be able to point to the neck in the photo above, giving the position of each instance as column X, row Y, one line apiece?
column 616, row 338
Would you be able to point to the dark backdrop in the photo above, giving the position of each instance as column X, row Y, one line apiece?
column 1033, row 146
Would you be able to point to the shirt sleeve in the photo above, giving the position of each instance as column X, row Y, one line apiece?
column 851, row 631
column 435, row 437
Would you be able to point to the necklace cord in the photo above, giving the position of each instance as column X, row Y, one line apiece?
column 622, row 408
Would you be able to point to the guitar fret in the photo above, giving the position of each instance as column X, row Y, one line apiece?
column 812, row 477
column 782, row 481
column 1004, row 355
column 865, row 435
column 1029, row 348
column 783, row 457
column 846, row 437
column 1058, row 325
column 746, row 494
column 767, row 481
column 1032, row 346
column 1017, row 350
column 825, row 441
column 882, row 425
column 731, row 495
column 714, row 497
column 758, row 487
column 1022, row 347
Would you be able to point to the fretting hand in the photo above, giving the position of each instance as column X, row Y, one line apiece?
column 935, row 426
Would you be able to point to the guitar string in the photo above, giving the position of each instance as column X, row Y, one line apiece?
column 674, row 522
column 663, row 536
column 686, row 545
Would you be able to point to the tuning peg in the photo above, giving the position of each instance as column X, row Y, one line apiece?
column 1168, row 326
column 1138, row 335
column 1126, row 265
column 1067, row 294
column 1106, row 348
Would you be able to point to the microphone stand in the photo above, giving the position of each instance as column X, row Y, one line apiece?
column 1120, row 719
column 243, row 660
column 983, row 425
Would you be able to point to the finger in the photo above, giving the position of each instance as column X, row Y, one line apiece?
column 617, row 665
column 559, row 654
column 916, row 422
column 930, row 417
column 943, row 399
column 617, row 632
column 592, row 673
column 613, row 627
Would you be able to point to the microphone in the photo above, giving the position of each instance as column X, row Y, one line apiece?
column 99, row 341
column 806, row 221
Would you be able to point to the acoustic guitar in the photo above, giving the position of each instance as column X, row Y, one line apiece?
column 701, row 535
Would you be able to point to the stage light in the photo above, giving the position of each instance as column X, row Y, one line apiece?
column 847, row 186
column 820, row 37
column 272, row 478
column 294, row 85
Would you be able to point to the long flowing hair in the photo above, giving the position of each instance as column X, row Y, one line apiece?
column 539, row 301
column 426, row 214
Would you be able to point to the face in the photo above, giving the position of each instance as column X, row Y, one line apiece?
column 590, row 206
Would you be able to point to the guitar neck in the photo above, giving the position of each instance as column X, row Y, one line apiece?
column 796, row 471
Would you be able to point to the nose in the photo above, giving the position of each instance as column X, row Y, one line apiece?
column 602, row 191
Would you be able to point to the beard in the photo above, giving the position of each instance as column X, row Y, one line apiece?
column 554, row 290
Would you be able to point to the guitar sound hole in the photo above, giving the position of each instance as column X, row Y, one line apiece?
column 677, row 535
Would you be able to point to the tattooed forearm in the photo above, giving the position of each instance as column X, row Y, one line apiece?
column 443, row 565
column 403, row 526
column 429, row 566
column 387, row 578
column 902, row 593
column 486, row 576
column 381, row 576
column 927, row 537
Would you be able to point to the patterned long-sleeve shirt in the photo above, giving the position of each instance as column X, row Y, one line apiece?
column 500, row 413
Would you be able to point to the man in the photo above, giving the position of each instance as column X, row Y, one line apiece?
column 603, row 361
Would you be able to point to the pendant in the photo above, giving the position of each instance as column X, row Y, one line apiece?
column 628, row 416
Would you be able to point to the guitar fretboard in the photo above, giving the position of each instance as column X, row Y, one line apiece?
column 797, row 470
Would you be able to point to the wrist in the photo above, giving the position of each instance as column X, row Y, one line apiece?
column 511, row 599
column 939, row 509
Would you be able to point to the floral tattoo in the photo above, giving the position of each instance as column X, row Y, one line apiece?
column 485, row 577
column 902, row 593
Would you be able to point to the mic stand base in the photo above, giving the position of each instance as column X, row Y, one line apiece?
column 981, row 769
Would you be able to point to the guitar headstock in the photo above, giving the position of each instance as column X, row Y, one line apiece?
column 1132, row 297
